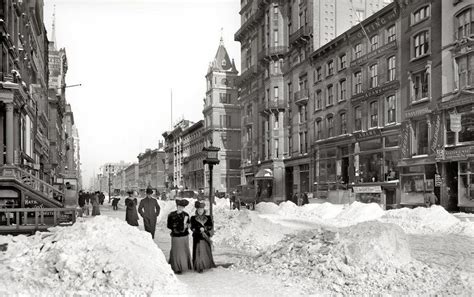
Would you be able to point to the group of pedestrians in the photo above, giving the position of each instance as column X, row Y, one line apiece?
column 180, row 223
column 301, row 199
column 89, row 198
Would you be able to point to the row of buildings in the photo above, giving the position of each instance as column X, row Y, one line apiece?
column 38, row 138
column 147, row 172
column 380, row 111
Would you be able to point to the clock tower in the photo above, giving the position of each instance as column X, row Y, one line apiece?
column 222, row 121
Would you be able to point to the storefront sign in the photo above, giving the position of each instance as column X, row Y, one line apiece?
column 456, row 102
column 440, row 154
column 455, row 122
column 372, row 54
column 367, row 134
column 377, row 91
column 459, row 153
column 368, row 189
column 438, row 180
column 417, row 112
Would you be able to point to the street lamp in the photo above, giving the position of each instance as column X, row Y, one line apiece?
column 110, row 182
column 211, row 159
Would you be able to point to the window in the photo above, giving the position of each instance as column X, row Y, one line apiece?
column 420, row 86
column 357, row 82
column 318, row 130
column 374, row 112
column 421, row 138
column 275, row 147
column 330, row 68
column 392, row 73
column 465, row 23
column 373, row 75
column 420, row 14
column 342, row 90
column 319, row 76
column 421, row 44
column 276, row 123
column 224, row 98
column 276, row 94
column 374, row 42
column 465, row 66
column 342, row 62
column 391, row 33
column 225, row 121
column 275, row 37
column 358, row 51
column 318, row 103
column 301, row 142
column 330, row 95
column 330, row 123
column 301, row 114
column 343, row 123
column 358, row 118
column 391, row 109
column 467, row 129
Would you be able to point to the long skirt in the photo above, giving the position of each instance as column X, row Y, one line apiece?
column 202, row 255
column 95, row 210
column 180, row 256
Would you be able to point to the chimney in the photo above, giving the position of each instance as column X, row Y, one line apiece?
column 160, row 144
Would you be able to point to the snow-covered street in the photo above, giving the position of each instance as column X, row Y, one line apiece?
column 277, row 250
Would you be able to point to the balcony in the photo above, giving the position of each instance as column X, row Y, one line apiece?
column 250, row 24
column 301, row 97
column 301, row 36
column 246, row 75
column 274, row 53
column 272, row 106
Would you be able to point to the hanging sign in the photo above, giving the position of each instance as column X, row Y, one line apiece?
column 455, row 122
column 438, row 180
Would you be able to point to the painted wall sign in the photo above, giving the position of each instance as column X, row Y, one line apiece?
column 367, row 134
column 459, row 153
column 377, row 91
column 370, row 56
column 375, row 25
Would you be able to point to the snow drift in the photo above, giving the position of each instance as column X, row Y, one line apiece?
column 95, row 257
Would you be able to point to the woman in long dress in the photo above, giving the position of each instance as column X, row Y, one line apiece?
column 178, row 222
column 131, row 214
column 95, row 205
column 201, row 225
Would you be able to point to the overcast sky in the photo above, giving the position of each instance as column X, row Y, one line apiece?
column 128, row 55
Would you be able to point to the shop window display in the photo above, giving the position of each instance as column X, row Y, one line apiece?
column 466, row 182
column 467, row 129
column 370, row 167
column 391, row 169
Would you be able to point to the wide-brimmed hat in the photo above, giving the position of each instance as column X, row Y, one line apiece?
column 182, row 202
column 199, row 204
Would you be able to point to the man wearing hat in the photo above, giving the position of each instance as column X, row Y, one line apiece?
column 178, row 222
column 149, row 209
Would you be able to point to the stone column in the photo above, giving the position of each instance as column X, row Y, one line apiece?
column 2, row 140
column 9, row 133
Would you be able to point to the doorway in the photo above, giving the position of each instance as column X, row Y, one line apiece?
column 289, row 182
column 452, row 186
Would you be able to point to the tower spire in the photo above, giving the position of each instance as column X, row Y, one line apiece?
column 53, row 31
column 222, row 36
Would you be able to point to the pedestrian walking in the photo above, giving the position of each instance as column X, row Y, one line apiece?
column 95, row 204
column 149, row 209
column 115, row 202
column 201, row 226
column 81, row 201
column 305, row 199
column 430, row 199
column 178, row 223
column 131, row 214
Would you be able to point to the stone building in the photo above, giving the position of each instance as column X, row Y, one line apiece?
column 193, row 168
column 131, row 177
column 222, row 121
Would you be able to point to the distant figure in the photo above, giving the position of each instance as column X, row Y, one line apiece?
column 95, row 204
column 81, row 201
column 305, row 199
column 115, row 202
column 178, row 222
column 294, row 199
column 201, row 225
column 102, row 198
column 430, row 199
column 149, row 209
column 131, row 214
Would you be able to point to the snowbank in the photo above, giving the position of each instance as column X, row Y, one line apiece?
column 367, row 258
column 99, row 256
column 431, row 220
column 358, row 212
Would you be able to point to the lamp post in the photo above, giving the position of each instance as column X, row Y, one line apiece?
column 109, row 167
column 211, row 159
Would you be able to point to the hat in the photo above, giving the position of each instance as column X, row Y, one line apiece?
column 149, row 190
column 130, row 192
column 198, row 204
column 182, row 202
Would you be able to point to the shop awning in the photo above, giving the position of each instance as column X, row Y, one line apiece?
column 264, row 174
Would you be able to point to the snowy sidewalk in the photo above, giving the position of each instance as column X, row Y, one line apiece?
column 219, row 281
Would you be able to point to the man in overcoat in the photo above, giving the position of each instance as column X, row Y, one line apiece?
column 149, row 209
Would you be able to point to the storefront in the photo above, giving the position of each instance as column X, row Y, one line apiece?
column 417, row 179
column 376, row 155
column 369, row 194
column 264, row 184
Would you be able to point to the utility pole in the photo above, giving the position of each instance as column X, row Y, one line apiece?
column 110, row 182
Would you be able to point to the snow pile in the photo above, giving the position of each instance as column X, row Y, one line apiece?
column 358, row 212
column 322, row 211
column 366, row 258
column 101, row 256
column 267, row 208
column 423, row 220
column 246, row 231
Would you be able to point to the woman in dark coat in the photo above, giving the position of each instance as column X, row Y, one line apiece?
column 201, row 225
column 178, row 222
column 131, row 214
